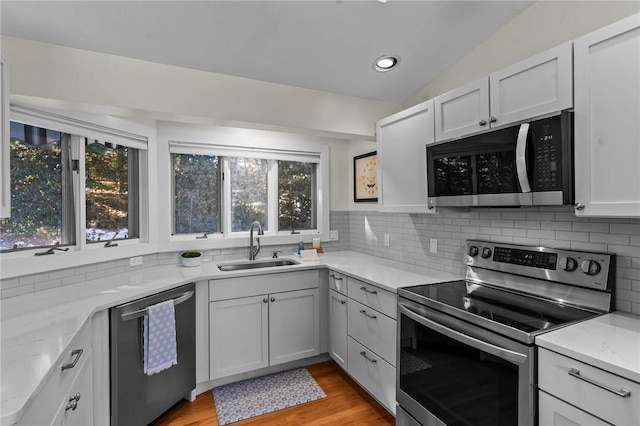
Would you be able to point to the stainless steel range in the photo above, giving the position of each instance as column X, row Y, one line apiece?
column 466, row 348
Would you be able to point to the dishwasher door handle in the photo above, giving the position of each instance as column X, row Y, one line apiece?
column 142, row 312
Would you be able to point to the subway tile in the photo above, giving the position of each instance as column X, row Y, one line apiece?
column 556, row 226
column 527, row 224
column 514, row 215
column 609, row 238
column 47, row 285
column 570, row 217
column 625, row 229
column 572, row 236
column 514, row 232
column 62, row 273
column 32, row 279
column 502, row 223
column 590, row 227
column 9, row 283
column 541, row 216
column 631, row 251
column 577, row 245
column 17, row 291
column 526, row 241
column 541, row 233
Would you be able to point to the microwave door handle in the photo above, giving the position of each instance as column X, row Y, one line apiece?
column 521, row 157
column 503, row 353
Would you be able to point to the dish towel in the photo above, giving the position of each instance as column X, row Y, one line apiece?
column 160, row 348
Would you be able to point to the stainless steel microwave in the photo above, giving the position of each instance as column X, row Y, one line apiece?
column 522, row 165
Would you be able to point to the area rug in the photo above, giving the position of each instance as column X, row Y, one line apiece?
column 253, row 397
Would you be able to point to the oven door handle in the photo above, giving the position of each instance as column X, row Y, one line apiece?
column 521, row 157
column 503, row 353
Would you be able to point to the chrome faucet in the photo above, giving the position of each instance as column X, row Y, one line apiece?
column 253, row 251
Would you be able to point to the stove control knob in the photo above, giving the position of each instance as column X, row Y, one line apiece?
column 590, row 267
column 568, row 264
column 473, row 251
column 486, row 252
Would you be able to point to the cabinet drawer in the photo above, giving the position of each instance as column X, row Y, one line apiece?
column 374, row 374
column 554, row 378
column 553, row 412
column 42, row 407
column 338, row 282
column 373, row 329
column 255, row 285
column 372, row 296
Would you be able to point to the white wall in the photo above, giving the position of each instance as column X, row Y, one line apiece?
column 132, row 86
column 543, row 25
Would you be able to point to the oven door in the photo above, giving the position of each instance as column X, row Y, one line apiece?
column 451, row 372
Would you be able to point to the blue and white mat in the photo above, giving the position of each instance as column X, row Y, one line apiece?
column 250, row 398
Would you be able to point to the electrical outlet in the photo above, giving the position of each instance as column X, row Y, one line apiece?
column 135, row 261
column 386, row 240
column 433, row 245
column 333, row 235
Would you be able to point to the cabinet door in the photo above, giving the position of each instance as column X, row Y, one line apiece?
column 338, row 319
column 554, row 412
column 5, row 175
column 239, row 339
column 539, row 85
column 462, row 111
column 402, row 159
column 607, row 129
column 79, row 400
column 294, row 325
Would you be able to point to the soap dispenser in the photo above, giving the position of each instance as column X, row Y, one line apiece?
column 300, row 245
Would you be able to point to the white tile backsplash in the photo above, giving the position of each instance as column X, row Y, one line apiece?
column 545, row 226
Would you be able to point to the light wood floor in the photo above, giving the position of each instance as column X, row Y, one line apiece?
column 346, row 404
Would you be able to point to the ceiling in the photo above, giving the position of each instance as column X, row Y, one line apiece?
column 325, row 45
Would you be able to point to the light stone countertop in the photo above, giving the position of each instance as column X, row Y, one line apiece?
column 37, row 327
column 610, row 342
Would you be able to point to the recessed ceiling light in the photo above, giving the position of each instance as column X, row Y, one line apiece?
column 386, row 63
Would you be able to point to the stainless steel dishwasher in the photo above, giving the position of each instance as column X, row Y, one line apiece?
column 136, row 398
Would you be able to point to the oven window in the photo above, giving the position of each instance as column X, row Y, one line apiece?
column 497, row 172
column 453, row 175
column 458, row 384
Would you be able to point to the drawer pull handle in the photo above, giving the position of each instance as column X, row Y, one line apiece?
column 335, row 277
column 363, row 312
column 622, row 392
column 77, row 353
column 73, row 402
column 366, row 290
column 371, row 360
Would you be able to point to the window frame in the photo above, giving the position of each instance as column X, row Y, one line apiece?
column 81, row 125
column 270, row 145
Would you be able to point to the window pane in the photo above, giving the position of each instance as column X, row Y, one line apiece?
column 36, row 189
column 248, row 192
column 111, row 211
column 296, row 195
column 196, row 193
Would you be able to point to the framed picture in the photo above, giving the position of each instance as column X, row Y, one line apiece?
column 365, row 177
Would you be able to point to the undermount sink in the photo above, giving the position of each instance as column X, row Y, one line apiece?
column 254, row 264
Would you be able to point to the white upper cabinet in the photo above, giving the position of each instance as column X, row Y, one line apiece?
column 402, row 159
column 539, row 85
column 462, row 111
column 5, row 175
column 607, row 120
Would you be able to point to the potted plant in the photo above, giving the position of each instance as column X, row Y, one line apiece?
column 191, row 258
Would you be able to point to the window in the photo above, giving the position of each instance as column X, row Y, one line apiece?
column 111, row 176
column 70, row 178
column 229, row 187
column 296, row 195
column 196, row 195
column 249, row 193
column 39, row 198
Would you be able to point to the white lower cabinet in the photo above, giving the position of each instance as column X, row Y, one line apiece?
column 294, row 326
column 338, row 324
column 77, row 405
column 554, row 412
column 264, row 324
column 575, row 393
column 239, row 331
column 373, row 373
column 66, row 396
column 371, row 340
